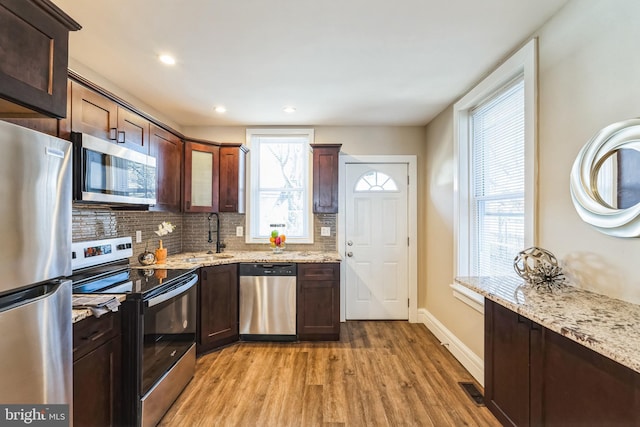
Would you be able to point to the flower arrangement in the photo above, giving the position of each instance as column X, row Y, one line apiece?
column 163, row 229
column 276, row 241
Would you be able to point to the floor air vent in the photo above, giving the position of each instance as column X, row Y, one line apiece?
column 473, row 393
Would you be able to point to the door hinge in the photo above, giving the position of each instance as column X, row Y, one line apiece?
column 408, row 180
column 408, row 305
column 408, row 242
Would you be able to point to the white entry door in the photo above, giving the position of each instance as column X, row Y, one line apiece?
column 376, row 238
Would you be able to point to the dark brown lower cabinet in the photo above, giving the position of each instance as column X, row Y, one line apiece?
column 318, row 317
column 506, row 364
column 218, row 307
column 97, row 375
column 537, row 377
column 579, row 387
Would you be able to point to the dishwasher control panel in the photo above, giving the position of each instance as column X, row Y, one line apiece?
column 271, row 269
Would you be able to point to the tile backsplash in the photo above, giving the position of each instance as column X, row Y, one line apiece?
column 196, row 228
column 190, row 234
column 91, row 224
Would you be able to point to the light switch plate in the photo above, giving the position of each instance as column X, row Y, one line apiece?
column 325, row 231
column 239, row 231
column 138, row 236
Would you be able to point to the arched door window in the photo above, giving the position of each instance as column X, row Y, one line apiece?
column 374, row 181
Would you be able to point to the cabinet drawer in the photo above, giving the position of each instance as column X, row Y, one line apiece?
column 320, row 271
column 92, row 332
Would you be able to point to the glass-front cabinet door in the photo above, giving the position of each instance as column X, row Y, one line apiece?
column 201, row 177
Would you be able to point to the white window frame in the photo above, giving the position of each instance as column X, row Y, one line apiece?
column 252, row 180
column 524, row 62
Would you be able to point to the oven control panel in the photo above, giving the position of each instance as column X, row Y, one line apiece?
column 94, row 252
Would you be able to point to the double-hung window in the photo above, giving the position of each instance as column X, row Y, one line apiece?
column 495, row 141
column 280, row 183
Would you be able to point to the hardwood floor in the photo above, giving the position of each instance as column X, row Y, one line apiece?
column 379, row 374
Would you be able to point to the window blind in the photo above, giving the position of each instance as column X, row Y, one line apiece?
column 280, row 185
column 497, row 181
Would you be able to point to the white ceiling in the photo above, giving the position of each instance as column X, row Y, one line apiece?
column 349, row 62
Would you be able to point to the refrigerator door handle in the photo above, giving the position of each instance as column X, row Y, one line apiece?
column 28, row 296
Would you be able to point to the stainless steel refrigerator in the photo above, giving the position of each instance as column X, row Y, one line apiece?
column 35, row 255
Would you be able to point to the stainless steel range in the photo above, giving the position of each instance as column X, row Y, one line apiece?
column 159, row 324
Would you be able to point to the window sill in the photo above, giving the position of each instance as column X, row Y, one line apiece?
column 467, row 296
column 289, row 242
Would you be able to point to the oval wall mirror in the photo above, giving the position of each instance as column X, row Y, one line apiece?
column 605, row 180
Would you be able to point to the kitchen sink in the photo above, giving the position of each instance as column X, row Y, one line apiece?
column 198, row 259
column 207, row 257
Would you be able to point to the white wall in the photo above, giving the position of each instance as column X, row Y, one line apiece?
column 354, row 139
column 589, row 77
column 457, row 317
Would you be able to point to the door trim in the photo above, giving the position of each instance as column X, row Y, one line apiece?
column 412, row 212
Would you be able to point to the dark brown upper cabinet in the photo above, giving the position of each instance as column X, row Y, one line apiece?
column 167, row 149
column 97, row 115
column 92, row 113
column 201, row 177
column 325, row 177
column 133, row 131
column 232, row 178
column 34, row 40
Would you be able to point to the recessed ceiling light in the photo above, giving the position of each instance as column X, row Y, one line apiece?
column 220, row 109
column 167, row 59
column 289, row 109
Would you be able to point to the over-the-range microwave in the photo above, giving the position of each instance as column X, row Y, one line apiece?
column 105, row 172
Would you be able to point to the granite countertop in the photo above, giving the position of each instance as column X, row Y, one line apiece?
column 79, row 314
column 202, row 259
column 608, row 326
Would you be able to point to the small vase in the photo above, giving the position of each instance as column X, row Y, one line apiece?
column 161, row 254
column 277, row 250
column 146, row 257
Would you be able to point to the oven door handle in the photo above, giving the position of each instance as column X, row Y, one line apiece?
column 173, row 292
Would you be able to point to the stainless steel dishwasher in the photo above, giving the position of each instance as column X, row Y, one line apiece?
column 268, row 302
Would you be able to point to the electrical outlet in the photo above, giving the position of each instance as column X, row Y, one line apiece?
column 138, row 236
column 239, row 231
column 325, row 231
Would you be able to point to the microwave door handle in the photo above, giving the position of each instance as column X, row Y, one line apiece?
column 173, row 292
column 110, row 173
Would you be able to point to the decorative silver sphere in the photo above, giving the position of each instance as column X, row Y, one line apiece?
column 539, row 267
column 146, row 258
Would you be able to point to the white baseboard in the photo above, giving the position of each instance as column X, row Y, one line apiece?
column 468, row 359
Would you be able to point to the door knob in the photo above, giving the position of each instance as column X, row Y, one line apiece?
column 349, row 254
column 350, row 243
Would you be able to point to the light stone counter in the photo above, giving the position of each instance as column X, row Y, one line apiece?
column 79, row 314
column 608, row 326
column 202, row 259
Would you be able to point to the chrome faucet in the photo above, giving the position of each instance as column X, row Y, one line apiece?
column 218, row 244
